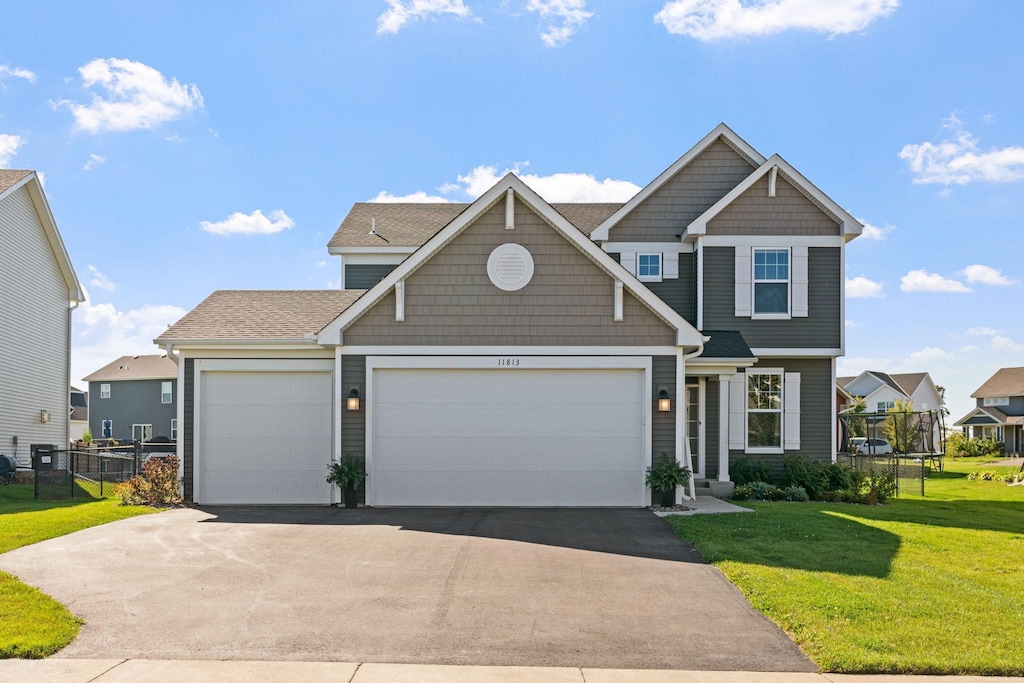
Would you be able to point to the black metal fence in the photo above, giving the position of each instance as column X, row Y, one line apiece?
column 83, row 473
column 909, row 445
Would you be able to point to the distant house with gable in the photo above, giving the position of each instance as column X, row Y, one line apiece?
column 134, row 399
column 999, row 413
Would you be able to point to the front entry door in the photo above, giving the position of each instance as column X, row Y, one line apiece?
column 693, row 429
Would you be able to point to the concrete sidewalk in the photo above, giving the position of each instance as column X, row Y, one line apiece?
column 189, row 671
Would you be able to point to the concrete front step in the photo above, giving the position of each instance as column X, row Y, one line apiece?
column 713, row 487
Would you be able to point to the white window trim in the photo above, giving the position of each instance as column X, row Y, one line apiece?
column 174, row 429
column 169, row 393
column 754, row 315
column 143, row 425
column 764, row 450
column 661, row 267
column 104, row 391
column 996, row 401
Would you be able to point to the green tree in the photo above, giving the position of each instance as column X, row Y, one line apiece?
column 900, row 427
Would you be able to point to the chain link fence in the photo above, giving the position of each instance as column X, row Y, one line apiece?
column 909, row 445
column 83, row 473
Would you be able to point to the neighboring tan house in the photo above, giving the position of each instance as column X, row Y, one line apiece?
column 519, row 353
column 134, row 399
column 79, row 414
column 1000, row 410
column 38, row 290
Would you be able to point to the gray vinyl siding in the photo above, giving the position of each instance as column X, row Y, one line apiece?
column 680, row 294
column 816, row 419
column 663, row 425
column 365, row 276
column 711, row 427
column 685, row 196
column 187, row 434
column 34, row 334
column 822, row 328
column 450, row 301
column 789, row 212
column 353, row 423
column 1015, row 408
column 132, row 402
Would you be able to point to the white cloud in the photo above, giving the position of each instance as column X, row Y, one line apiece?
column 873, row 232
column 400, row 12
column 13, row 72
column 9, row 145
column 923, row 281
column 335, row 283
column 983, row 331
column 385, row 197
column 958, row 161
column 924, row 360
column 708, row 20
column 102, row 333
column 321, row 264
column 565, row 17
column 862, row 288
column 557, row 187
column 134, row 96
column 851, row 323
column 986, row 275
column 1006, row 344
column 968, row 348
column 99, row 280
column 254, row 223
column 94, row 161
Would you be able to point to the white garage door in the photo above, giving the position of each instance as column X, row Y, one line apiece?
column 265, row 437
column 508, row 437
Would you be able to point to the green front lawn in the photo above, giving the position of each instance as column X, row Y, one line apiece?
column 32, row 624
column 924, row 585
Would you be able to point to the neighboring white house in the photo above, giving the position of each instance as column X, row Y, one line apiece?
column 38, row 290
column 79, row 414
column 880, row 391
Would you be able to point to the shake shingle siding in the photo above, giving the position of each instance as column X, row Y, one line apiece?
column 681, row 293
column 789, row 212
column 663, row 425
column 188, row 432
column 365, row 276
column 706, row 179
column 820, row 329
column 450, row 300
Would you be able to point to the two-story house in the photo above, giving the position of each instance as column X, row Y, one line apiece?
column 1000, row 410
column 134, row 399
column 38, row 291
column 516, row 352
column 880, row 390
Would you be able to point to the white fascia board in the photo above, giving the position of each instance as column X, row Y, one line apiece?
column 370, row 250
column 720, row 131
column 848, row 225
column 373, row 259
column 796, row 353
column 35, row 191
column 686, row 334
column 773, row 240
column 506, row 351
column 647, row 247
column 976, row 411
column 192, row 344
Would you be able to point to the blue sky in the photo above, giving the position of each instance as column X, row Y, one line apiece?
column 161, row 128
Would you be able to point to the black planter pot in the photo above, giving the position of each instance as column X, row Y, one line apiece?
column 668, row 498
column 351, row 497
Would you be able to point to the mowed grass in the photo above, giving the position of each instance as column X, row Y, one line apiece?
column 32, row 624
column 931, row 585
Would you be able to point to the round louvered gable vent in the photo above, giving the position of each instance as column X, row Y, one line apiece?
column 510, row 267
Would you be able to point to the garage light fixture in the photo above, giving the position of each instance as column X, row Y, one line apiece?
column 664, row 402
column 353, row 400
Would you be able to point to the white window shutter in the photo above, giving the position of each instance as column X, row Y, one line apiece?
column 737, row 411
column 670, row 266
column 628, row 261
column 742, row 282
column 799, row 280
column 791, row 409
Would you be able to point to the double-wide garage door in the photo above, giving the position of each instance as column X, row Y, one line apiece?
column 516, row 437
column 265, row 437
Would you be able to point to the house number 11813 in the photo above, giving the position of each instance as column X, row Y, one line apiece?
column 508, row 362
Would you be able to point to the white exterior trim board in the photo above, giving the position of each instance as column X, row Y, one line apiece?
column 639, row 351
column 811, row 352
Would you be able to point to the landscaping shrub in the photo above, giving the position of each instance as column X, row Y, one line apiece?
column 760, row 490
column 806, row 473
column 796, row 494
column 157, row 485
column 749, row 470
column 959, row 446
column 741, row 492
column 880, row 485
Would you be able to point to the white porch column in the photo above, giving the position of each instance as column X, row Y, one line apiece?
column 723, row 428
column 681, row 418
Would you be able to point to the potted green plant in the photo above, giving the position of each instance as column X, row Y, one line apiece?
column 347, row 474
column 665, row 476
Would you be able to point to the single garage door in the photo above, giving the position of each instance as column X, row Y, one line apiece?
column 508, row 437
column 265, row 437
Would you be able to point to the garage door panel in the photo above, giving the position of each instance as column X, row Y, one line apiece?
column 508, row 437
column 266, row 437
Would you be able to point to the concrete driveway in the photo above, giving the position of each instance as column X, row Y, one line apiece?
column 593, row 588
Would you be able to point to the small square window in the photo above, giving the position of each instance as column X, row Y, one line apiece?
column 104, row 391
column 648, row 266
column 165, row 392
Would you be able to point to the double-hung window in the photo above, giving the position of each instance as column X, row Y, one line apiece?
column 886, row 406
column 764, row 412
column 771, row 283
column 648, row 267
column 104, row 391
column 165, row 392
column 107, row 429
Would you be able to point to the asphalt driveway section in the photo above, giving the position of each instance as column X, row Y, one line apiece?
column 521, row 587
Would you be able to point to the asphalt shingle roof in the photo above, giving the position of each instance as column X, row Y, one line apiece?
column 404, row 224
column 9, row 177
column 725, row 344
column 261, row 314
column 136, row 367
column 1006, row 382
